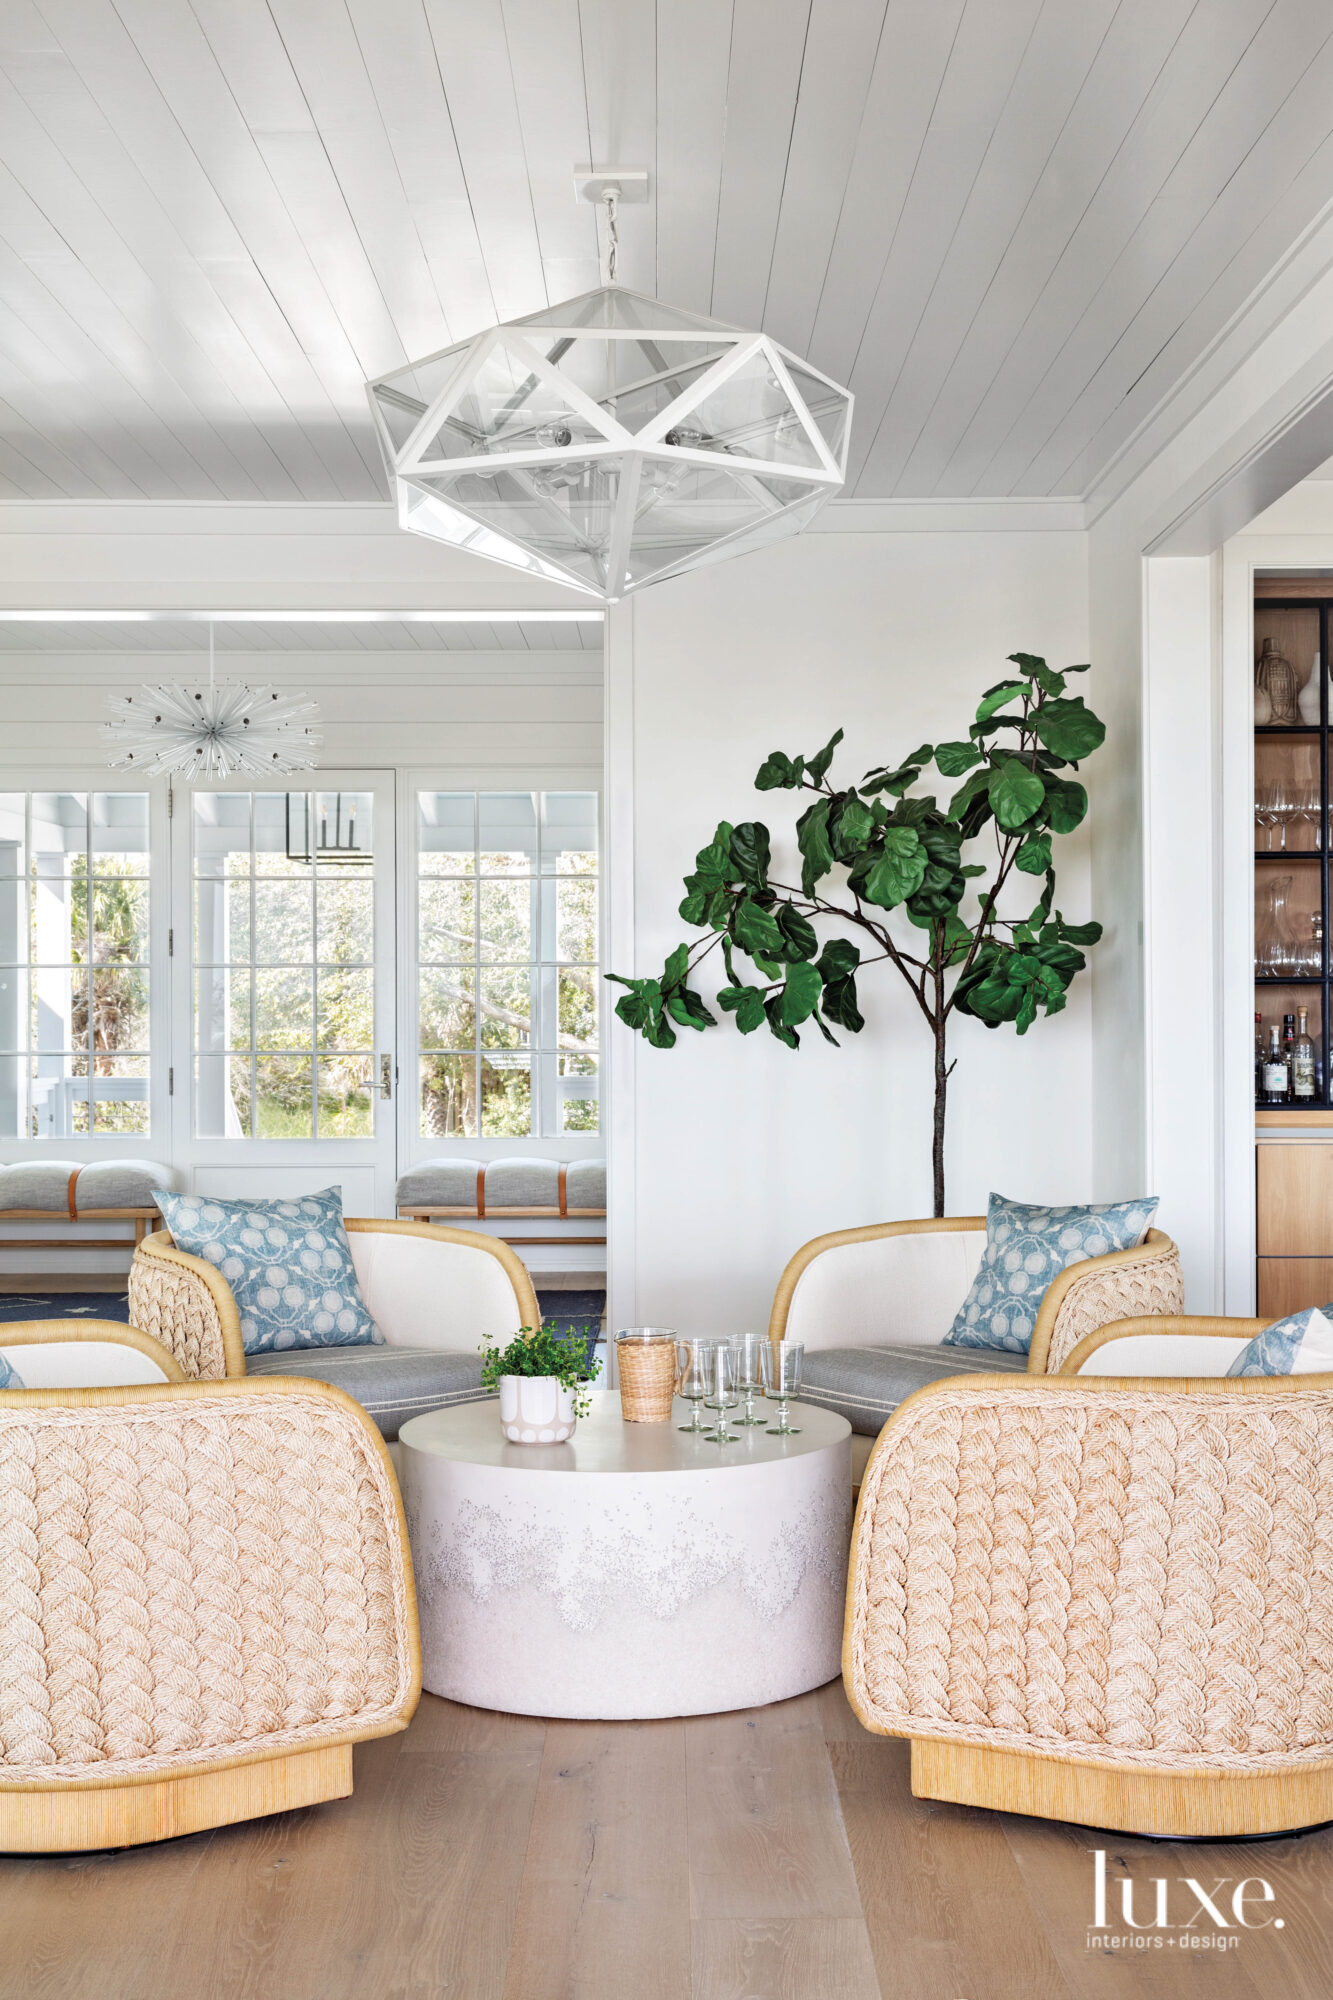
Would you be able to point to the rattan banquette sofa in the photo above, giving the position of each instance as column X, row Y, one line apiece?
column 434, row 1292
column 872, row 1307
column 1105, row 1595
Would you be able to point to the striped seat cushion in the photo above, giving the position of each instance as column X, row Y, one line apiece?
column 390, row 1383
column 866, row 1384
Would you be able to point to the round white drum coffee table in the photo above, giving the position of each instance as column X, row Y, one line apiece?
column 632, row 1572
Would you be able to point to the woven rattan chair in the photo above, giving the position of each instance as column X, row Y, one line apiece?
column 426, row 1286
column 895, row 1288
column 1104, row 1600
column 205, row 1601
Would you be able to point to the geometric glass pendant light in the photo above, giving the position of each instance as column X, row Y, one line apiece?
column 610, row 441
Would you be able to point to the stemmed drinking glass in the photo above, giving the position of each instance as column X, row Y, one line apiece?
column 722, row 1369
column 693, row 1357
column 782, row 1378
column 748, row 1350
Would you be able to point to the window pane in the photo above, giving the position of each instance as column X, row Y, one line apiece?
column 506, row 920
column 59, row 919
column 59, row 832
column 346, row 1104
column 120, row 1094
column 506, row 1097
column 120, row 833
column 13, row 1008
column 284, row 1010
column 448, row 1018
column 283, row 828
column 222, row 1097
column 446, row 832
column 283, row 1097
column 578, row 1094
column 346, row 919
column 569, row 832
column 449, row 1097
column 576, row 918
column 12, row 1097
column 221, row 1011
column 222, row 922
column 346, row 1010
column 507, row 832
column 578, row 1008
column 506, row 1007
column 13, row 860
column 13, row 920
column 284, row 923
column 120, row 920
column 120, row 1008
column 221, row 834
column 447, row 915
column 59, row 1008
column 344, row 832
column 59, row 1085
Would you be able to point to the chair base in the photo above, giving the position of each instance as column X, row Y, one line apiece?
column 1164, row 1804
column 65, row 1822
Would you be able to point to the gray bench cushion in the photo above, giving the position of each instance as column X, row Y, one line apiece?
column 866, row 1384
column 101, row 1184
column 390, row 1383
column 510, row 1183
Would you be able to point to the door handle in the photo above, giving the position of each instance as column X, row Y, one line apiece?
column 386, row 1076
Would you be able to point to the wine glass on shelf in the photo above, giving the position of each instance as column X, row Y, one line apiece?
column 748, row 1351
column 1306, row 812
column 782, row 1379
column 692, row 1381
column 1263, row 816
column 722, row 1369
column 1281, row 805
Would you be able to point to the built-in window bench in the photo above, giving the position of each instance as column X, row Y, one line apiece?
column 75, row 1201
column 571, row 1193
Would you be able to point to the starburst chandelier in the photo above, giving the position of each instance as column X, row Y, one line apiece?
column 212, row 732
column 611, row 441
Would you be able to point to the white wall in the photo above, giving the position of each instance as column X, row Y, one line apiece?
column 733, row 1152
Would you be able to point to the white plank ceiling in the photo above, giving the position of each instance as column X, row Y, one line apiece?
column 255, row 635
column 1011, row 225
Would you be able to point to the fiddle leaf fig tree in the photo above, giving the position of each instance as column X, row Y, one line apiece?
column 881, row 849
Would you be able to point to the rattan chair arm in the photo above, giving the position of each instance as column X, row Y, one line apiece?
column 1122, row 1285
column 196, row 1575
column 43, row 1332
column 870, row 1232
column 1101, row 1569
column 1158, row 1325
column 185, row 1303
column 511, row 1263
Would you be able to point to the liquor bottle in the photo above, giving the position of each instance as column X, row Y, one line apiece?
column 1302, row 1061
column 1258, row 1055
column 1275, row 1070
column 1289, row 1050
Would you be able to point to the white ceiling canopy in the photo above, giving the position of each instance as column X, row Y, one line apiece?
column 611, row 441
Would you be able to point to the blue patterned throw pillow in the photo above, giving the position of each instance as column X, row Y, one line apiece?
column 1300, row 1344
column 9, row 1374
column 287, row 1262
column 1027, row 1247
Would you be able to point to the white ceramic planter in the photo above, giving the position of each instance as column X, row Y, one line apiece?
column 534, row 1409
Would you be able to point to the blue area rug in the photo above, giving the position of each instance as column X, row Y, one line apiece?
column 64, row 1305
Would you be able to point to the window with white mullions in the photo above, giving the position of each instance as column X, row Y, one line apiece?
column 74, row 964
column 508, row 1000
column 284, row 954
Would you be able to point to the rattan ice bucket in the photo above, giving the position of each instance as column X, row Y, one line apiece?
column 646, row 1366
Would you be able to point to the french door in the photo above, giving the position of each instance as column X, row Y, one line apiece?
column 284, row 1074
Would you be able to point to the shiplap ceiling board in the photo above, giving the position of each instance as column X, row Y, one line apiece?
column 1011, row 225
column 169, row 635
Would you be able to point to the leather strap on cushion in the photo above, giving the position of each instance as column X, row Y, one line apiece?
column 564, row 1188
column 481, row 1190
column 70, row 1196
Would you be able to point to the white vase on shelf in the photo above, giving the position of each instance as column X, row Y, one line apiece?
column 1307, row 701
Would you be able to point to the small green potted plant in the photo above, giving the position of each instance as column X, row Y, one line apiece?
column 543, row 1378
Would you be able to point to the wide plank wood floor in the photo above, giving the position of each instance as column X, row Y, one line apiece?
column 773, row 1854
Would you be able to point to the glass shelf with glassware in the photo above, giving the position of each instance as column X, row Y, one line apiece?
column 1291, row 848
